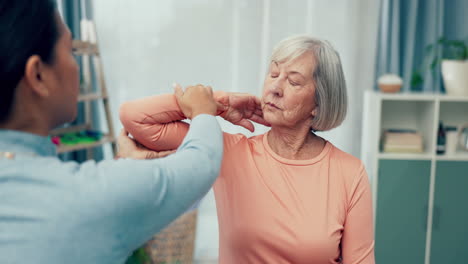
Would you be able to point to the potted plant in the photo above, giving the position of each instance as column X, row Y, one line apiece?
column 139, row 256
column 453, row 57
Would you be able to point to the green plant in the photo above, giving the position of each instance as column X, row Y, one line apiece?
column 139, row 256
column 435, row 53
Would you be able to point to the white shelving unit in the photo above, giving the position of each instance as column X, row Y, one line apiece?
column 417, row 111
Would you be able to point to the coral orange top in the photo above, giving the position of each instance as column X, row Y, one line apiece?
column 272, row 209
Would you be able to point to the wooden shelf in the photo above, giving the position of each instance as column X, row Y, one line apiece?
column 69, row 148
column 69, row 129
column 92, row 89
column 90, row 97
column 84, row 48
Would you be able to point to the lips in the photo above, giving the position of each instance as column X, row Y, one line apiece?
column 272, row 105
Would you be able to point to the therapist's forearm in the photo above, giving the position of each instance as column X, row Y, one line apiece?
column 197, row 162
column 137, row 198
column 181, row 179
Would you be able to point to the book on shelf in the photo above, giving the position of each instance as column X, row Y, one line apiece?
column 402, row 141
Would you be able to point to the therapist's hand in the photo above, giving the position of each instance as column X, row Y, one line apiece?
column 195, row 100
column 129, row 148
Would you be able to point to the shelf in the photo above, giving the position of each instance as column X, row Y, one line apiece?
column 69, row 129
column 454, row 157
column 423, row 156
column 405, row 156
column 413, row 115
column 90, row 97
column 451, row 98
column 69, row 148
column 408, row 97
column 420, row 96
column 84, row 48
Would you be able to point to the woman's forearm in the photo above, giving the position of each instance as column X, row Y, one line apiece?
column 156, row 121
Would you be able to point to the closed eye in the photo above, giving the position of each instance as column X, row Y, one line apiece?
column 293, row 83
column 274, row 72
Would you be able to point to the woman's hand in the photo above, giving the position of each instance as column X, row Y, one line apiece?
column 195, row 100
column 240, row 109
column 129, row 148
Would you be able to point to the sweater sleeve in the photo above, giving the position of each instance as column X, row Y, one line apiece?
column 358, row 235
column 156, row 122
column 128, row 200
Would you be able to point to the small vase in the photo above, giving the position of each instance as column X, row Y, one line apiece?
column 455, row 76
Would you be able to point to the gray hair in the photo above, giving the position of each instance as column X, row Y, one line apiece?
column 330, row 84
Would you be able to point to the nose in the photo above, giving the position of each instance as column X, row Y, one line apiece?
column 276, row 88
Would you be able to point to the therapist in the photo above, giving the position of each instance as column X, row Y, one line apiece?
column 61, row 212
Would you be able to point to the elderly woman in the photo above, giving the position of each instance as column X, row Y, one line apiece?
column 287, row 196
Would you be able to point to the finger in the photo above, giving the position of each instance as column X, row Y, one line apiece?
column 221, row 107
column 259, row 106
column 258, row 102
column 178, row 90
column 123, row 137
column 166, row 153
column 149, row 154
column 139, row 145
column 246, row 124
column 260, row 120
column 258, row 112
column 210, row 90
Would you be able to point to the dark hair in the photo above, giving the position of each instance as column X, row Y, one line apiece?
column 27, row 28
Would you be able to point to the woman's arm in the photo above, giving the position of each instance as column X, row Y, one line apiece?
column 129, row 148
column 156, row 121
column 358, row 235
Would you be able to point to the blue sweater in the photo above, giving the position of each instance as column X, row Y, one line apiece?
column 58, row 212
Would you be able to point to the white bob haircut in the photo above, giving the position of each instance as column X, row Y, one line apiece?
column 330, row 84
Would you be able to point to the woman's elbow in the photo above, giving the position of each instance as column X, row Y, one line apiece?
column 125, row 116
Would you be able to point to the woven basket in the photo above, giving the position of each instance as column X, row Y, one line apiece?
column 174, row 244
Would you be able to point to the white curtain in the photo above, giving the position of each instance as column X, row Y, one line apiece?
column 147, row 45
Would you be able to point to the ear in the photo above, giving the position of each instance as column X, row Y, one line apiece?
column 34, row 74
column 315, row 111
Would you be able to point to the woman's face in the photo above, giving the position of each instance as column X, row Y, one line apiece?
column 289, row 93
column 65, row 77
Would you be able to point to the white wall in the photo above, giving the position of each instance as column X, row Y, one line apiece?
column 146, row 45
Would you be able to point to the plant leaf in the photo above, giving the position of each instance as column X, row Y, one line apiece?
column 416, row 79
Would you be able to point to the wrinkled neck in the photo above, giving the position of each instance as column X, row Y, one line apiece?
column 295, row 143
